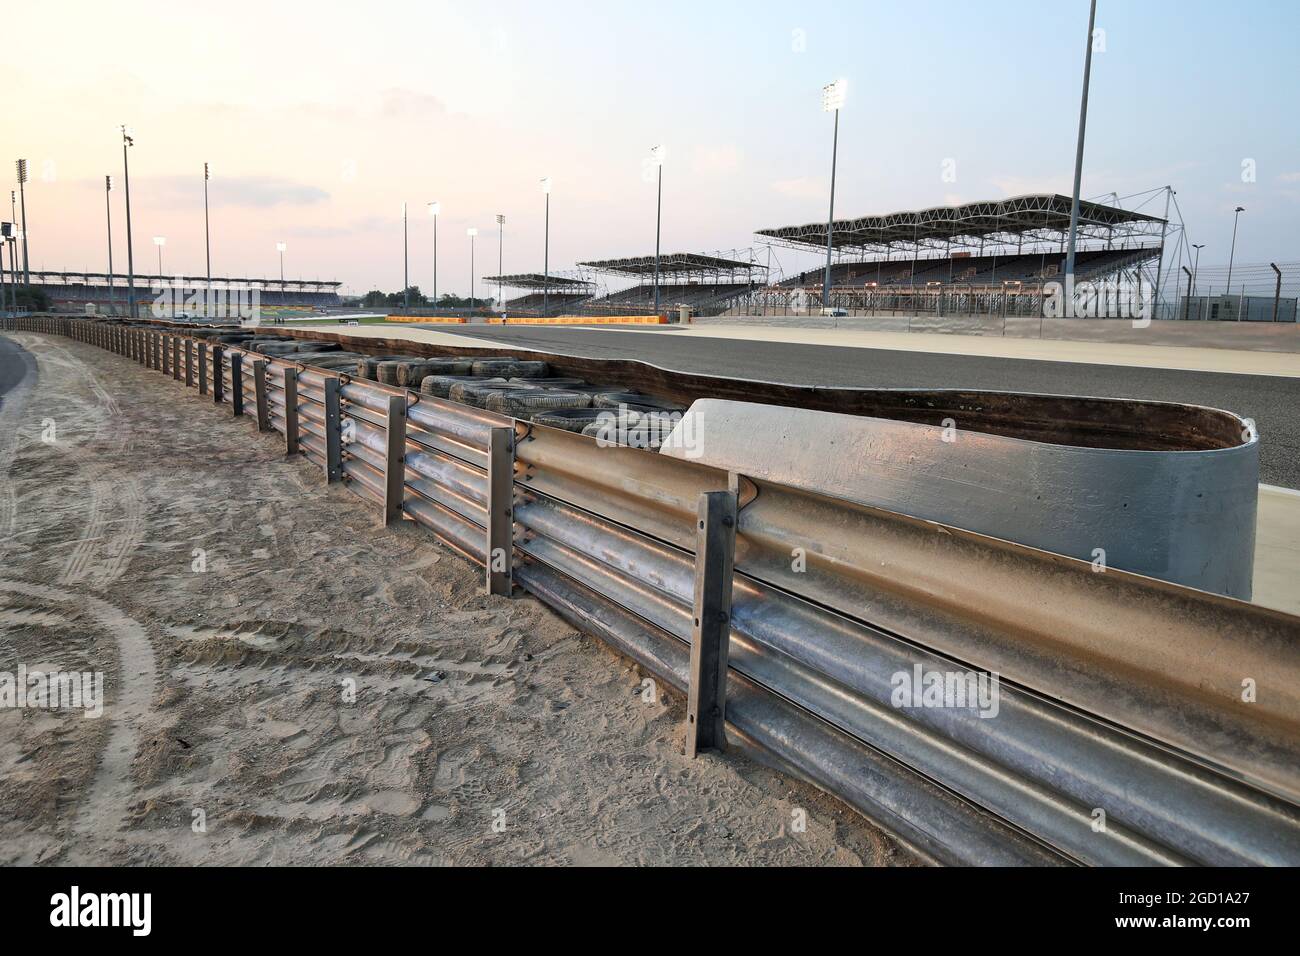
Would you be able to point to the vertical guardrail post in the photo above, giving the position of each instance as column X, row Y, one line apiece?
column 189, row 363
column 259, row 390
column 165, row 346
column 290, row 410
column 218, row 382
column 501, row 511
column 237, row 383
column 333, row 431
column 176, row 357
column 148, row 348
column 202, row 346
column 395, row 459
column 715, row 555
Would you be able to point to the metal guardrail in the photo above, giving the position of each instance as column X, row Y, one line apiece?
column 1137, row 722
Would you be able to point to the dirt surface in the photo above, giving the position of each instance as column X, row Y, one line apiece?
column 234, row 601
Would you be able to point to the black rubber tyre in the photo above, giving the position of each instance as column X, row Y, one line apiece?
column 636, row 401
column 571, row 419
column 476, row 394
column 412, row 374
column 510, row 368
column 641, row 431
column 367, row 365
column 389, row 372
column 526, row 402
column 440, row 385
column 559, row 382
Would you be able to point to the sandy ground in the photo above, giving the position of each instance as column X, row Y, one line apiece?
column 227, row 688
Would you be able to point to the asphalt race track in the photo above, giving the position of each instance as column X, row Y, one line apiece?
column 15, row 365
column 1272, row 401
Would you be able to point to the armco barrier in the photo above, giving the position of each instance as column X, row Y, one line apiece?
column 1120, row 733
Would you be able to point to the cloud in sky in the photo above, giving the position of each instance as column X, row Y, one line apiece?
column 803, row 187
column 251, row 192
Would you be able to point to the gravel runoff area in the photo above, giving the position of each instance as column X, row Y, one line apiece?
column 286, row 683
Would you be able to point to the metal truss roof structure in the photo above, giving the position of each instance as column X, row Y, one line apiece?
column 685, row 267
column 64, row 277
column 537, row 282
column 1035, row 218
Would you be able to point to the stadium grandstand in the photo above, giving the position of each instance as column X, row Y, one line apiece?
column 973, row 256
column 554, row 294
column 708, row 284
column 80, row 291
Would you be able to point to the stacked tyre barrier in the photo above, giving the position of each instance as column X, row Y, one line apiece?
column 1118, row 733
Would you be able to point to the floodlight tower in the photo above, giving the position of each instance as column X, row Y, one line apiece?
column 546, row 250
column 657, row 158
column 434, row 209
column 832, row 100
column 1078, row 155
column 128, row 140
column 160, row 241
column 22, row 202
column 108, row 213
column 280, row 247
column 406, row 269
column 207, row 239
column 471, row 232
column 1231, row 255
column 501, row 232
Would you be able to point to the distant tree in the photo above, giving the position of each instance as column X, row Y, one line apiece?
column 449, row 301
column 373, row 298
column 396, row 299
column 33, row 298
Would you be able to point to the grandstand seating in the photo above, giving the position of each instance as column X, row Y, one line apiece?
column 702, row 299
column 534, row 301
column 977, row 270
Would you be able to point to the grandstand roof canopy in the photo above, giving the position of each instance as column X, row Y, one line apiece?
column 673, row 263
column 537, row 280
column 1037, row 217
column 73, row 277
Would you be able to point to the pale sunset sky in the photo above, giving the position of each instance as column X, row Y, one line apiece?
column 320, row 119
